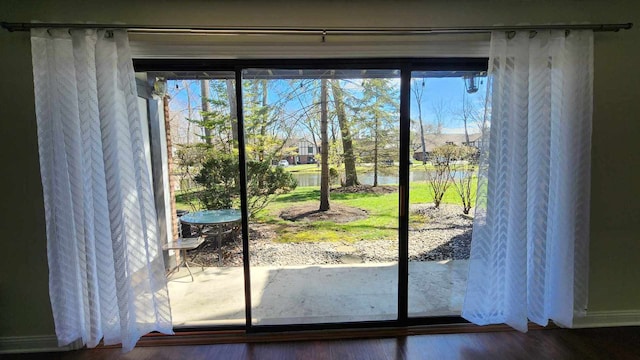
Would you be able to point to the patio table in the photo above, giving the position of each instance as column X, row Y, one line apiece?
column 214, row 219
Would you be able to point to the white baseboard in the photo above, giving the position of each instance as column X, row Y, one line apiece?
column 608, row 319
column 32, row 344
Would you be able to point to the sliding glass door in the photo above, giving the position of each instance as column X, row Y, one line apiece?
column 448, row 121
column 322, row 253
column 353, row 183
column 201, row 126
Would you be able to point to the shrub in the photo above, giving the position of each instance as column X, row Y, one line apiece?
column 334, row 176
column 462, row 176
column 441, row 159
column 220, row 180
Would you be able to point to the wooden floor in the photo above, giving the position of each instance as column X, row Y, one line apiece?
column 603, row 343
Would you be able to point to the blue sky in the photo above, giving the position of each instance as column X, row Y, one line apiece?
column 447, row 91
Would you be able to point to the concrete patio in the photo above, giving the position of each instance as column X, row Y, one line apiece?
column 315, row 293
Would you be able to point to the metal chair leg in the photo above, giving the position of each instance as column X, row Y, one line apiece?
column 219, row 238
column 186, row 264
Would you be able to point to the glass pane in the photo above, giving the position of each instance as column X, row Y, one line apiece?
column 202, row 134
column 447, row 123
column 310, row 264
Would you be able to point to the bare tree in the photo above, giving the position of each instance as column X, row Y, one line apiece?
column 473, row 111
column 465, row 114
column 324, row 176
column 440, row 111
column 189, row 110
column 181, row 110
column 268, row 123
column 308, row 113
column 418, row 91
column 481, row 116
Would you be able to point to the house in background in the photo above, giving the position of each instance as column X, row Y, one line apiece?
column 306, row 152
column 432, row 141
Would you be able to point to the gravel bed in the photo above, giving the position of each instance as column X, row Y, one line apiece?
column 445, row 235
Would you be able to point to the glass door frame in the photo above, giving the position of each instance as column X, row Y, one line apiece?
column 406, row 66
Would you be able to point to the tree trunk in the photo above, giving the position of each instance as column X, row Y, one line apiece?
column 324, row 176
column 418, row 93
column 189, row 110
column 424, row 143
column 233, row 111
column 466, row 132
column 351, row 177
column 263, row 123
column 206, row 108
column 375, row 153
column 465, row 116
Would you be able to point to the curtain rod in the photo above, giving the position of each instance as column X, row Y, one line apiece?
column 266, row 30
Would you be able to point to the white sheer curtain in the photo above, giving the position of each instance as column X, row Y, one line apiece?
column 530, row 236
column 106, row 271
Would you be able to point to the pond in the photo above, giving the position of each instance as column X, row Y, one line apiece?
column 313, row 179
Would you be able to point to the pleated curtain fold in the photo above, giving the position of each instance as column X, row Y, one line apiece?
column 529, row 253
column 106, row 270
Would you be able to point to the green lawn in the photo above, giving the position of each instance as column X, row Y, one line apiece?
column 382, row 222
column 303, row 168
column 182, row 201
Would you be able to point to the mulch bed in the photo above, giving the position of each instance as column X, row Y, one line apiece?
column 338, row 213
